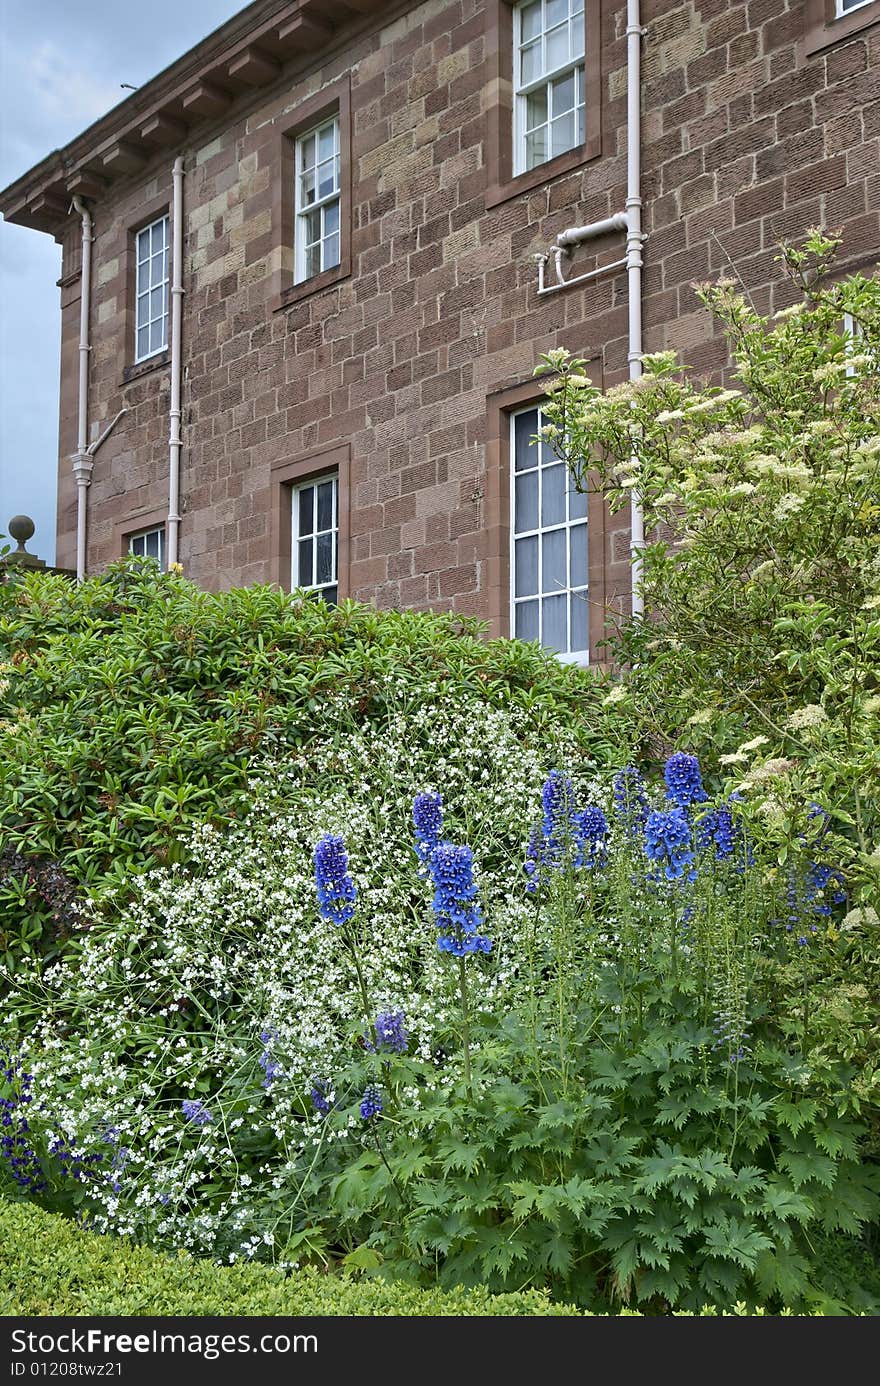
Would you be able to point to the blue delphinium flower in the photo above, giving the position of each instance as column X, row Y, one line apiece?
column 560, row 818
column 816, row 887
column 268, row 1063
column 630, row 800
column 720, row 830
column 534, row 856
column 668, row 842
column 592, row 829
column 72, row 1163
column 684, row 784
column 371, row 1102
column 456, row 912
column 15, row 1145
column 391, row 1032
column 195, row 1111
column 427, row 815
column 336, row 889
column 321, row 1095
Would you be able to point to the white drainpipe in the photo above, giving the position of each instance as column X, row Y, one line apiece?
column 174, row 441
column 81, row 459
column 634, row 33
column 629, row 221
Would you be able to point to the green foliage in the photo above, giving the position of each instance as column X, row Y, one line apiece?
column 762, row 567
column 54, row 1269
column 135, row 705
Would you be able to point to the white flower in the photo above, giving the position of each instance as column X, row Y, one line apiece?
column 862, row 916
column 753, row 745
column 733, row 758
column 809, row 716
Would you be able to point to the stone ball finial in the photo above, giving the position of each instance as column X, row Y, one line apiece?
column 21, row 527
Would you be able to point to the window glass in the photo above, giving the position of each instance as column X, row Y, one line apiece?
column 151, row 287
column 549, row 572
column 549, row 105
column 316, row 537
column 317, row 198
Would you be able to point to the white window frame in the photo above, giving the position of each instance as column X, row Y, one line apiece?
column 312, row 483
column 579, row 593
column 576, row 65
column 303, row 210
column 143, row 296
column 842, row 9
column 145, row 534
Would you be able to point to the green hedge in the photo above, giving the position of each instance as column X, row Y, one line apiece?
column 52, row 1268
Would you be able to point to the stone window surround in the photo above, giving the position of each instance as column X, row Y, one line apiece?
column 290, row 472
column 137, row 523
column 500, row 405
column 823, row 28
column 147, row 212
column 334, row 99
column 499, row 114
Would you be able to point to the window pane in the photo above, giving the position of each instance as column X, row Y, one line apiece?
column 311, row 224
column 531, row 21
column 562, row 136
column 326, row 552
column 331, row 252
column 525, row 426
column 553, row 481
column 578, row 542
column 536, row 108
column 526, row 567
column 327, row 141
column 313, row 261
column 331, row 218
column 325, row 505
column 526, row 503
column 557, row 11
column 554, row 611
column 157, row 270
column 143, row 244
column 158, row 233
column 307, row 148
column 327, row 178
column 536, row 148
column 152, row 544
column 157, row 335
column 581, row 124
column 136, row 545
column 330, row 595
column 157, row 303
column 557, row 48
column 579, row 617
column 306, row 508
column 307, row 188
column 577, row 34
column 526, row 621
column 305, row 563
column 577, row 502
column 562, row 93
column 143, row 341
column 530, row 64
column 554, row 577
column 143, row 277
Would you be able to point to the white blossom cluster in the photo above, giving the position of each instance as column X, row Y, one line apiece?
column 224, row 960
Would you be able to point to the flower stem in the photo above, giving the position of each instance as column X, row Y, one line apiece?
column 465, row 1023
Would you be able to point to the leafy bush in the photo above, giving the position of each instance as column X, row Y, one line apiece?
column 762, row 570
column 136, row 704
column 612, row 1103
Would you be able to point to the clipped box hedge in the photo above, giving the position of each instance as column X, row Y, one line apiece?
column 51, row 1268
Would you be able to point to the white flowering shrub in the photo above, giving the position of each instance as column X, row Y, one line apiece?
column 222, row 987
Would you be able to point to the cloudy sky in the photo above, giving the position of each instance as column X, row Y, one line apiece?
column 61, row 66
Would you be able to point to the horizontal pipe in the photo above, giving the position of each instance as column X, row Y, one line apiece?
column 579, row 279
column 575, row 234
